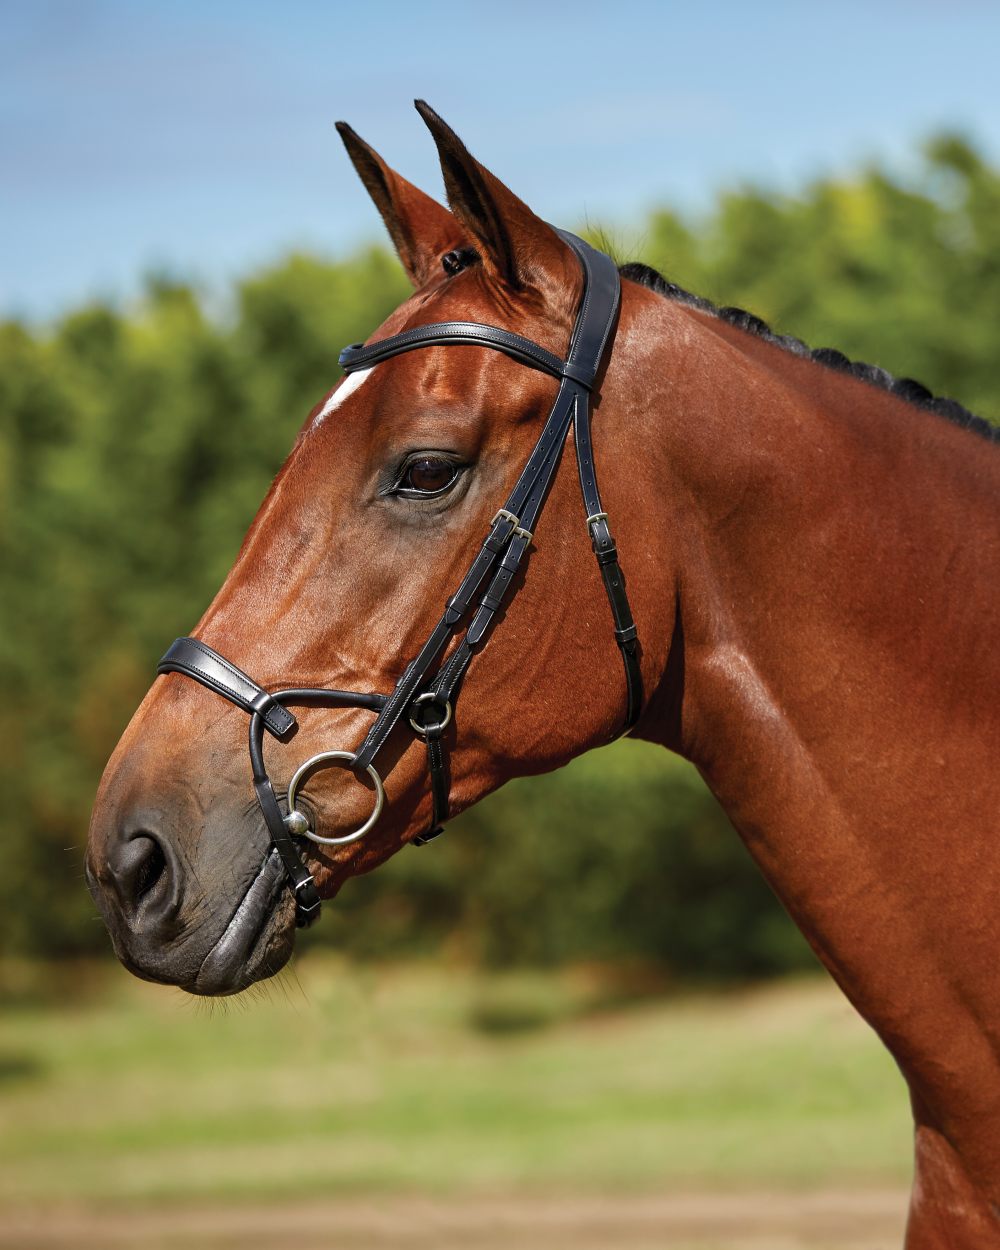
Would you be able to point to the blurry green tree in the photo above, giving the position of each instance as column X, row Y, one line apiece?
column 134, row 451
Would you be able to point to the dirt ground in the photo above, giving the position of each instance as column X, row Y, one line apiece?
column 829, row 1220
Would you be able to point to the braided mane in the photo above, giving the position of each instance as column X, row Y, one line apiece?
column 906, row 388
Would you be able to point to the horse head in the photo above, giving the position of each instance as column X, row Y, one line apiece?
column 391, row 485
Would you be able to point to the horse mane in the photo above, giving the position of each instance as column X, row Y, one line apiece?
column 906, row 388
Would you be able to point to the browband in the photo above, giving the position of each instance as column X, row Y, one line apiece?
column 445, row 333
column 602, row 292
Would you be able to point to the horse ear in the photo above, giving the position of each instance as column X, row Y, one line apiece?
column 518, row 246
column 421, row 229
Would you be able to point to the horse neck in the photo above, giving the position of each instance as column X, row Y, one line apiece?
column 830, row 558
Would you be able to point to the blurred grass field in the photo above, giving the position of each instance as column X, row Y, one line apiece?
column 348, row 1080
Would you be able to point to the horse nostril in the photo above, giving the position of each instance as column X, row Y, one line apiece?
column 138, row 864
column 149, row 870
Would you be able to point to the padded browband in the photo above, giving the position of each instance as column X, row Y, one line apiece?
column 586, row 349
column 446, row 333
column 194, row 659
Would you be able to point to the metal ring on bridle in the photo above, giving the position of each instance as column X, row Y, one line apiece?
column 305, row 769
column 430, row 697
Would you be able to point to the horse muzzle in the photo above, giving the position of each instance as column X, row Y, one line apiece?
column 162, row 908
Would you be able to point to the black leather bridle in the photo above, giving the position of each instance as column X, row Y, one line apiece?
column 427, row 689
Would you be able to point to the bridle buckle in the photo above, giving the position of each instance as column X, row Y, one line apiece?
column 519, row 530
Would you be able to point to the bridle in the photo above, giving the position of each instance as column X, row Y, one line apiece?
column 426, row 691
column 427, row 701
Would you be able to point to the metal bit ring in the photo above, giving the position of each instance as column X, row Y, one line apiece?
column 296, row 825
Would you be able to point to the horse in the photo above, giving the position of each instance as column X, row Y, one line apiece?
column 812, row 552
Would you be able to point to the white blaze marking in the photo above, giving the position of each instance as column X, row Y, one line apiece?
column 347, row 387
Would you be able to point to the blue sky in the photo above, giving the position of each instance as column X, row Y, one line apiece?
column 198, row 137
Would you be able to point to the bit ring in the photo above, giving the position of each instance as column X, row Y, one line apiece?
column 324, row 757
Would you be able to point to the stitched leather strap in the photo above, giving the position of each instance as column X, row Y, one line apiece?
column 606, row 553
column 198, row 660
column 445, row 333
column 307, row 900
column 437, row 768
column 598, row 311
column 506, row 546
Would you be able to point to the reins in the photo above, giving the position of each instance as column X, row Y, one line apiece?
column 425, row 694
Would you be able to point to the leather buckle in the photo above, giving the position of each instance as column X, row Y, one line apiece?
column 518, row 528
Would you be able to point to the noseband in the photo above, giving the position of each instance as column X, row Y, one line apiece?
column 426, row 691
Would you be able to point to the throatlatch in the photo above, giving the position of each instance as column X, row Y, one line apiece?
column 425, row 693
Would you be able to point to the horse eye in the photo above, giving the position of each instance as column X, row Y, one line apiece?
column 429, row 475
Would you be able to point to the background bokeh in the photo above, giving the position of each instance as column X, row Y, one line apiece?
column 564, row 994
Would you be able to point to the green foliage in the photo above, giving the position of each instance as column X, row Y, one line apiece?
column 134, row 450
